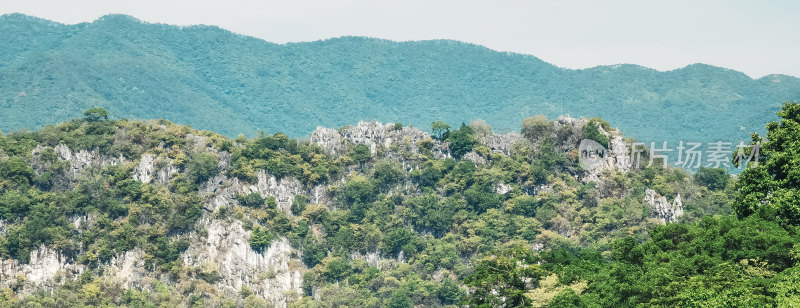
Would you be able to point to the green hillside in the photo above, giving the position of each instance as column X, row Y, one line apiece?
column 97, row 212
column 213, row 79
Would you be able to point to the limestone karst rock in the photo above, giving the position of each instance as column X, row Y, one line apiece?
column 661, row 209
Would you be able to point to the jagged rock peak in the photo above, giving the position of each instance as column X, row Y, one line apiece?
column 375, row 135
column 661, row 209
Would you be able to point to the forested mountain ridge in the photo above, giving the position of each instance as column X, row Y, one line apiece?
column 213, row 79
column 143, row 214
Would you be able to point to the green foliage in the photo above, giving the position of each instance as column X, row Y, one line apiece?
column 449, row 292
column 282, row 157
column 313, row 252
column 535, row 127
column 299, row 203
column 387, row 174
column 261, row 238
column 440, row 130
column 546, row 160
column 357, row 190
column 400, row 239
column 412, row 82
column 772, row 186
column 566, row 299
column 464, row 232
column 360, row 153
column 592, row 131
column 499, row 281
column 399, row 299
column 253, row 199
column 15, row 171
column 95, row 114
column 202, row 166
column 461, row 140
column 480, row 128
column 431, row 214
column 713, row 178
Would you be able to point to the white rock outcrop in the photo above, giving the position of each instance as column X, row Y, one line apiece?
column 147, row 171
column 275, row 274
column 375, row 135
column 223, row 191
column 83, row 159
column 40, row 272
column 661, row 209
column 502, row 143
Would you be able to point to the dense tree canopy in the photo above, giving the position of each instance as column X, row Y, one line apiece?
column 772, row 184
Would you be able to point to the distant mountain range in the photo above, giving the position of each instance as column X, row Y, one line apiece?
column 214, row 79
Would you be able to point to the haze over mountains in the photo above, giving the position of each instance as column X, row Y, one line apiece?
column 213, row 79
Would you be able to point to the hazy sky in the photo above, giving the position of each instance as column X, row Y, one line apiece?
column 756, row 37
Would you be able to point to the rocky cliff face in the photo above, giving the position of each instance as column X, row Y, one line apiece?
column 376, row 136
column 221, row 248
column 567, row 130
column 222, row 191
column 154, row 170
column 275, row 274
column 661, row 209
column 76, row 163
column 502, row 143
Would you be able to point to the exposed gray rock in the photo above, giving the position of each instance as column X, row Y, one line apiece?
column 273, row 274
column 372, row 258
column 83, row 159
column 502, row 143
column 223, row 191
column 661, row 209
column 129, row 270
column 199, row 143
column 503, row 188
column 375, row 135
column 79, row 160
column 329, row 139
column 475, row 158
column 618, row 155
column 568, row 131
column 616, row 158
column 147, row 170
column 45, row 263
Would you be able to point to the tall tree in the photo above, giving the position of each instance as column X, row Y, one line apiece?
column 772, row 185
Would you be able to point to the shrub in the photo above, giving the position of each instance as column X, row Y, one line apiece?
column 713, row 178
column 592, row 131
column 260, row 239
column 535, row 126
column 95, row 114
column 461, row 141
column 299, row 204
column 440, row 130
column 202, row 166
column 387, row 174
column 253, row 200
column 360, row 153
column 480, row 128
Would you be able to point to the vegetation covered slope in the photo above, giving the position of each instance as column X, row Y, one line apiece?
column 213, row 79
column 722, row 261
column 415, row 220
